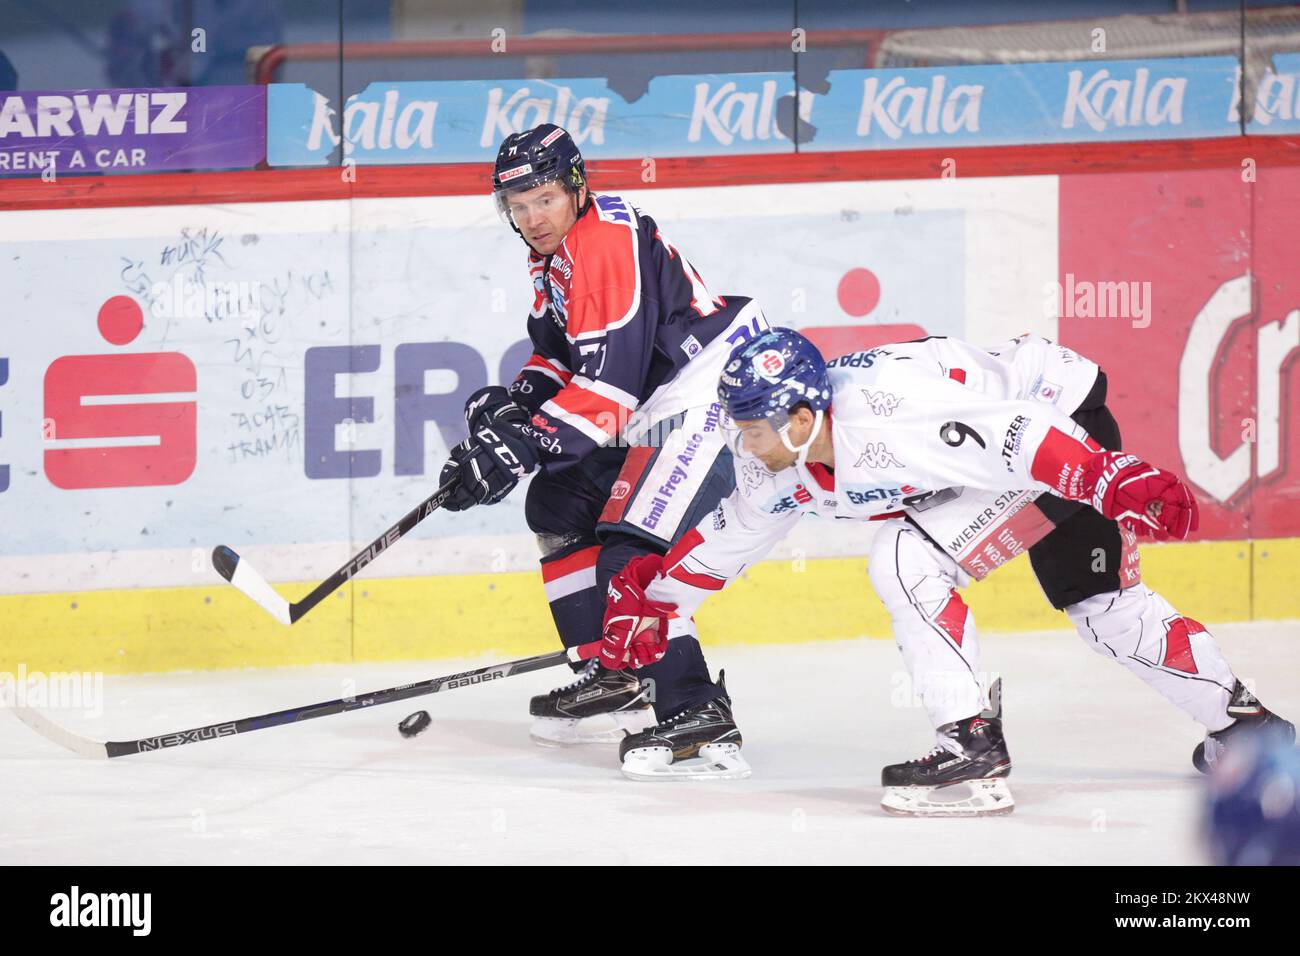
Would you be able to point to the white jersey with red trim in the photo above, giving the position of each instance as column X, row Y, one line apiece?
column 625, row 335
column 907, row 421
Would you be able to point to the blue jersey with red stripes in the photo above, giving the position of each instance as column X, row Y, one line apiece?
column 619, row 315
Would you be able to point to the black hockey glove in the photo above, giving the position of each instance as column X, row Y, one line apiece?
column 490, row 406
column 490, row 463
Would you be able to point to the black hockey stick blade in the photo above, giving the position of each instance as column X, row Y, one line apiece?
column 100, row 750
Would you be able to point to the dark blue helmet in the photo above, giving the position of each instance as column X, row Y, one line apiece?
column 535, row 157
column 1252, row 813
column 768, row 375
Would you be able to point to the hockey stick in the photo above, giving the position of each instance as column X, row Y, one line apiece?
column 245, row 577
column 99, row 749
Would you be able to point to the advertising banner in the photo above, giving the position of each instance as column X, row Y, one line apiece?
column 291, row 375
column 440, row 122
column 1182, row 286
column 132, row 130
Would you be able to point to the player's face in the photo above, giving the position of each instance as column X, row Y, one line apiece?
column 544, row 214
column 760, row 439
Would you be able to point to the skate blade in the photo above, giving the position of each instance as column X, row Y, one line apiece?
column 600, row 729
column 973, row 798
column 715, row 762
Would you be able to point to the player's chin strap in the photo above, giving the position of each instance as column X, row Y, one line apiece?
column 802, row 451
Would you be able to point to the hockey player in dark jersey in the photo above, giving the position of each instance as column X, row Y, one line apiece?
column 616, row 414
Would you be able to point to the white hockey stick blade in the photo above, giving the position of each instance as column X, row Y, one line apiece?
column 975, row 798
column 243, row 576
column 716, row 762
column 84, row 746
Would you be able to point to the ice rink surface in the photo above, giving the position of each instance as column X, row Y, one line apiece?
column 1102, row 769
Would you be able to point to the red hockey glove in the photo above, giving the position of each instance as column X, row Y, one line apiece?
column 1142, row 497
column 635, row 632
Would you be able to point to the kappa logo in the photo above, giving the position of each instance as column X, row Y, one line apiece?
column 542, row 423
column 882, row 403
column 876, row 455
column 753, row 473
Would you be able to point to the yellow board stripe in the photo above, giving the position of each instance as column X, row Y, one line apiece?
column 505, row 615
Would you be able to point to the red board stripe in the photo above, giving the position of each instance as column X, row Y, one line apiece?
column 467, row 179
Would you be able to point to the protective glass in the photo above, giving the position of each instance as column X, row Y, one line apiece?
column 515, row 206
column 754, row 439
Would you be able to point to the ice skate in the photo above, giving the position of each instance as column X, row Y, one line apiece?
column 601, row 706
column 964, row 775
column 699, row 743
column 1251, row 718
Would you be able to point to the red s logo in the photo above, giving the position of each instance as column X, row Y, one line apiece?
column 97, row 442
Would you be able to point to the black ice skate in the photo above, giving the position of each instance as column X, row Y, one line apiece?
column 601, row 706
column 1252, row 718
column 666, row 752
column 964, row 775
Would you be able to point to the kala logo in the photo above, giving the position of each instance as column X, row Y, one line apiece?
column 1102, row 100
column 896, row 107
column 373, row 125
column 1276, row 98
column 728, row 112
column 583, row 118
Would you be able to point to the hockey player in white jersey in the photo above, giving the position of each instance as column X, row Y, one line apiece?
column 976, row 455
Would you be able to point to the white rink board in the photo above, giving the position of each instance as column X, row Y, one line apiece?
column 818, row 719
column 958, row 257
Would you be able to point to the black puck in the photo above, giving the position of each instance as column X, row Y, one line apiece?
column 417, row 723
